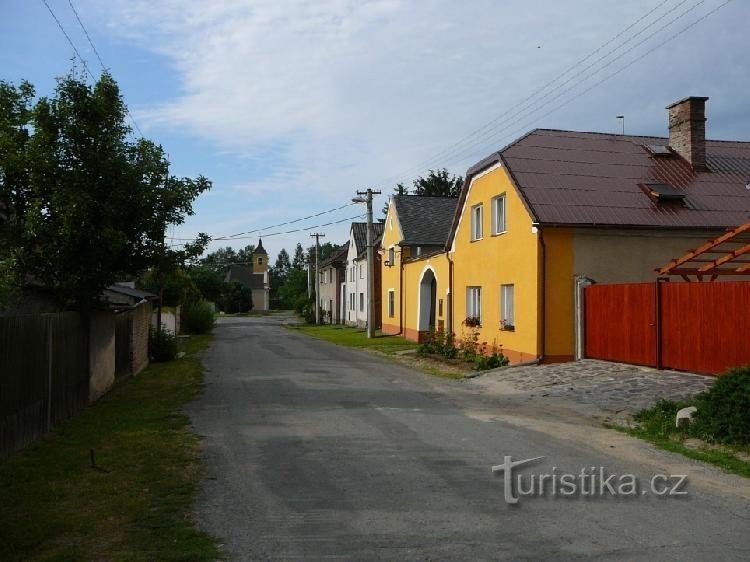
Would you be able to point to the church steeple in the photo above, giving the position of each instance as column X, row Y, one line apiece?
column 260, row 258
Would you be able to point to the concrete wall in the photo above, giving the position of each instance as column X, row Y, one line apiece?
column 260, row 300
column 141, row 324
column 101, row 354
column 170, row 319
column 630, row 256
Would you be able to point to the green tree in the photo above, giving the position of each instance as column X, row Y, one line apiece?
column 208, row 281
column 81, row 204
column 220, row 260
column 282, row 266
column 245, row 255
column 236, row 298
column 299, row 261
column 438, row 183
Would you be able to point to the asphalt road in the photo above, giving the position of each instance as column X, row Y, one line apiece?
column 317, row 451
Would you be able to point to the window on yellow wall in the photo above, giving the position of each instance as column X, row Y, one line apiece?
column 507, row 307
column 498, row 214
column 391, row 303
column 391, row 255
column 473, row 305
column 476, row 222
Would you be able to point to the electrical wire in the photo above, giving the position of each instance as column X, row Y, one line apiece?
column 78, row 53
column 491, row 129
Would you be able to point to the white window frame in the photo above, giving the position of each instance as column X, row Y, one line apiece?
column 477, row 218
column 474, row 302
column 361, row 302
column 508, row 307
column 361, row 272
column 391, row 255
column 499, row 214
column 351, row 301
column 391, row 303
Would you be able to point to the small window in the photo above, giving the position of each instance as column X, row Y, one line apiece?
column 440, row 307
column 361, row 272
column 361, row 302
column 391, row 256
column 473, row 305
column 498, row 214
column 391, row 304
column 260, row 261
column 507, row 307
column 419, row 250
column 351, row 301
column 476, row 222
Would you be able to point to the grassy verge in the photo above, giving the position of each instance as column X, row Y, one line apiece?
column 657, row 426
column 389, row 345
column 356, row 337
column 136, row 504
column 725, row 458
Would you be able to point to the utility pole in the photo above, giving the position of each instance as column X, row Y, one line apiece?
column 317, row 237
column 366, row 197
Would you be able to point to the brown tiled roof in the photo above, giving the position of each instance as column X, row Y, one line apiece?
column 337, row 257
column 595, row 179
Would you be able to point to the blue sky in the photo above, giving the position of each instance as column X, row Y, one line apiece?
column 290, row 106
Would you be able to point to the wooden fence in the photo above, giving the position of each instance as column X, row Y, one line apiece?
column 44, row 374
column 698, row 327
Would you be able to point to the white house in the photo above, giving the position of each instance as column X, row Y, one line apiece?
column 354, row 289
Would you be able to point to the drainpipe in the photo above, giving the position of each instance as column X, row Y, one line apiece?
column 449, row 307
column 400, row 291
column 542, row 313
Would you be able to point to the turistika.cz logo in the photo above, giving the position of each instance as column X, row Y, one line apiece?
column 589, row 482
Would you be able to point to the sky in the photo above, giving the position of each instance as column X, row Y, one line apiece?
column 291, row 106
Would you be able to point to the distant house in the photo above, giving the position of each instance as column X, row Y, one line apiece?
column 254, row 277
column 355, row 295
column 555, row 209
column 333, row 285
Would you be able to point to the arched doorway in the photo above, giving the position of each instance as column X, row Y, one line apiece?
column 427, row 300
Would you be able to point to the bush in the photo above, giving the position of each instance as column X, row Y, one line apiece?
column 724, row 409
column 493, row 361
column 198, row 317
column 438, row 343
column 162, row 345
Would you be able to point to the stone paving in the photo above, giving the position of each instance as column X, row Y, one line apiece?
column 613, row 391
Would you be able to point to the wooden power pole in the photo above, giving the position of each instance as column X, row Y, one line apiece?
column 317, row 237
column 366, row 197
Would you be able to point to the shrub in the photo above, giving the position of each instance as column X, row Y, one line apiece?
column 493, row 361
column 198, row 317
column 162, row 345
column 724, row 409
column 438, row 343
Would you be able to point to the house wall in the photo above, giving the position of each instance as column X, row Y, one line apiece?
column 330, row 293
column 260, row 299
column 414, row 272
column 631, row 256
column 508, row 258
column 390, row 275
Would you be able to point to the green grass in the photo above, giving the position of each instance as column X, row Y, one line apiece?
column 723, row 458
column 356, row 337
column 657, row 426
column 137, row 504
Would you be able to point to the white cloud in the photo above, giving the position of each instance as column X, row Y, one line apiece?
column 338, row 94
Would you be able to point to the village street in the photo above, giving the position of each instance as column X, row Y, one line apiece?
column 321, row 451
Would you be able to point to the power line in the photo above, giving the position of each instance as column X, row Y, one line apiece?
column 289, row 221
column 78, row 53
column 531, row 110
column 268, row 235
column 492, row 126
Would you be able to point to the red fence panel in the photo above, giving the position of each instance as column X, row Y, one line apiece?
column 705, row 326
column 620, row 323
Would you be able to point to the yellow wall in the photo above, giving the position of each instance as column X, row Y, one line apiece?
column 414, row 272
column 559, row 321
column 390, row 274
column 495, row 260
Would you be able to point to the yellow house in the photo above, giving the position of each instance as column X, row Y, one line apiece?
column 555, row 210
column 415, row 269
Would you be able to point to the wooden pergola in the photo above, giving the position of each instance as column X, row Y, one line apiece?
column 727, row 255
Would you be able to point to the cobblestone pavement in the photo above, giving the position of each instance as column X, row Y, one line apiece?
column 612, row 391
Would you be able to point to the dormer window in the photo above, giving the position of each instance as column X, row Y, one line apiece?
column 663, row 193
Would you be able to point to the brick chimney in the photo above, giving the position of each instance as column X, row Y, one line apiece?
column 687, row 130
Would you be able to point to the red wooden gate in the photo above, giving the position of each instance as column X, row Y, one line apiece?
column 698, row 327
